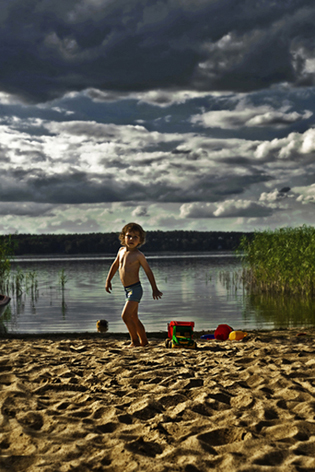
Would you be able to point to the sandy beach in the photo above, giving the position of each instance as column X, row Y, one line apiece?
column 88, row 403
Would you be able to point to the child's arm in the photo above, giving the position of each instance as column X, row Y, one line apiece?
column 144, row 264
column 112, row 271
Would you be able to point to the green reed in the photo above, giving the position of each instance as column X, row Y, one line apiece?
column 17, row 282
column 280, row 261
column 6, row 252
column 63, row 279
column 31, row 280
column 18, row 279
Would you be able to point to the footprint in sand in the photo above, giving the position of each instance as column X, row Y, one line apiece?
column 145, row 448
column 31, row 420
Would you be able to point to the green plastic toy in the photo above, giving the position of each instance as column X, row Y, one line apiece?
column 180, row 335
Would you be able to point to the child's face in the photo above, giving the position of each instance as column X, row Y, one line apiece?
column 132, row 239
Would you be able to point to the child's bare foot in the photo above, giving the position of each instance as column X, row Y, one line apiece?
column 144, row 344
column 134, row 345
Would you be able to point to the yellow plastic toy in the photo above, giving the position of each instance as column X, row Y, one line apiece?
column 237, row 335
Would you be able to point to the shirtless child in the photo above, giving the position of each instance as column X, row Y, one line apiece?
column 128, row 261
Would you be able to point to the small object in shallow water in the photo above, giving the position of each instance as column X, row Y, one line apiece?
column 237, row 335
column 301, row 334
column 102, row 326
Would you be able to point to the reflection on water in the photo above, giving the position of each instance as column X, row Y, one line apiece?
column 204, row 288
column 281, row 310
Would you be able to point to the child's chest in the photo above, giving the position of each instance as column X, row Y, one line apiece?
column 128, row 260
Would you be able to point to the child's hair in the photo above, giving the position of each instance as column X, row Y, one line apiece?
column 132, row 227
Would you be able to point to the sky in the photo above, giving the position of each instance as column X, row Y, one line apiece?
column 175, row 114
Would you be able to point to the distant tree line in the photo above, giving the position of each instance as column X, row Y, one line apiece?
column 108, row 243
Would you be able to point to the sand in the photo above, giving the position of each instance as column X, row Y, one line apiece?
column 87, row 403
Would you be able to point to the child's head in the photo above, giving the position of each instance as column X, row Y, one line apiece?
column 134, row 227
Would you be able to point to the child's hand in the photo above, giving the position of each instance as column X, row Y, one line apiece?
column 157, row 294
column 108, row 287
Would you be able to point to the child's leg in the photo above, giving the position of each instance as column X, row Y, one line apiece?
column 135, row 327
column 127, row 317
column 141, row 332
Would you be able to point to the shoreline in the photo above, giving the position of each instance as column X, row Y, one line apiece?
column 304, row 331
column 85, row 402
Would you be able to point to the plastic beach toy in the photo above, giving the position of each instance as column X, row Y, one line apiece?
column 180, row 334
column 222, row 332
column 207, row 336
column 237, row 335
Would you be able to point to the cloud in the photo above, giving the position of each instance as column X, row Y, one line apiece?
column 278, row 119
column 275, row 196
column 245, row 208
column 29, row 209
column 84, row 225
column 249, row 116
column 307, row 194
column 225, row 209
column 51, row 48
column 78, row 162
column 294, row 146
column 160, row 97
column 83, row 162
column 197, row 210
column 140, row 211
column 197, row 114
column 134, row 170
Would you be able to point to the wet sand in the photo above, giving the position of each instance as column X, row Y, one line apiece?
column 87, row 403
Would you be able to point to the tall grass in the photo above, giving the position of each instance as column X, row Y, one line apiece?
column 6, row 252
column 281, row 261
column 17, row 282
column 63, row 279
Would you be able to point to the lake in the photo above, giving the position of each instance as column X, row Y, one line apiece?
column 204, row 288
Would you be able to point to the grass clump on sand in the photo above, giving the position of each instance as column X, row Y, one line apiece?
column 280, row 261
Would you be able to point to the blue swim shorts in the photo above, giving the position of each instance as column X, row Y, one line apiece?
column 134, row 292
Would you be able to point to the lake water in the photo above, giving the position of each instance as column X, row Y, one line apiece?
column 196, row 287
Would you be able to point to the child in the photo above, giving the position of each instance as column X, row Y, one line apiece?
column 128, row 260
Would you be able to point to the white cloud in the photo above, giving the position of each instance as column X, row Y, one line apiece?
column 157, row 97
column 140, row 211
column 197, row 210
column 278, row 119
column 274, row 196
column 226, row 209
column 237, row 208
column 247, row 115
column 293, row 146
column 307, row 194
column 8, row 99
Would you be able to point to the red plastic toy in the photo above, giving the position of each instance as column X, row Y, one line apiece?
column 222, row 332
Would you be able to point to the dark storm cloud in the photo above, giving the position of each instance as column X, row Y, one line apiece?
column 51, row 47
column 28, row 209
column 74, row 187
